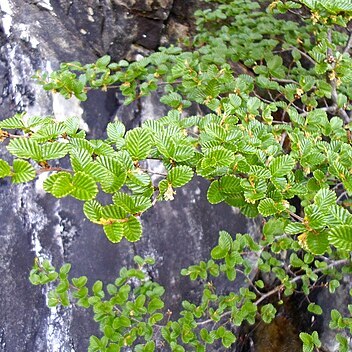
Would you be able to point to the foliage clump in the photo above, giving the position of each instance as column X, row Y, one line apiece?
column 272, row 135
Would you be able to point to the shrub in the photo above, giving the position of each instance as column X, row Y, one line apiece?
column 273, row 137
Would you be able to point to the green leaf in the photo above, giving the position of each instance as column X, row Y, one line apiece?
column 115, row 175
column 274, row 227
column 179, row 175
column 267, row 207
column 155, row 304
column 132, row 229
column 338, row 216
column 214, row 194
column 229, row 185
column 93, row 210
column 268, row 312
column 225, row 241
column 25, row 148
column 139, row 143
column 281, row 165
column 218, row 253
column 80, row 281
column 13, row 123
column 103, row 61
column 59, row 184
column 315, row 309
column 23, row 171
column 114, row 232
column 115, row 130
column 228, row 339
column 54, row 150
column 113, row 212
column 294, row 228
column 341, row 237
column 318, row 243
column 325, row 199
column 132, row 204
column 84, row 186
column 5, row 169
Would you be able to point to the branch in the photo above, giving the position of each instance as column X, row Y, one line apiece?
column 50, row 169
column 304, row 54
column 280, row 287
column 298, row 278
column 348, row 45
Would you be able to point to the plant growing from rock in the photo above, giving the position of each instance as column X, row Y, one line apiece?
column 273, row 137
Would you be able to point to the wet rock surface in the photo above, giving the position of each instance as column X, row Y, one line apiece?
column 39, row 34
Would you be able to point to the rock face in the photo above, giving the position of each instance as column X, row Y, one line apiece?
column 39, row 35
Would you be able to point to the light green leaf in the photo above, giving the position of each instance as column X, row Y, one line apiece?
column 225, row 241
column 315, row 309
column 5, row 169
column 80, row 159
column 325, row 199
column 230, row 184
column 214, row 194
column 132, row 229
column 318, row 243
column 268, row 312
column 113, row 212
column 268, row 207
column 13, row 123
column 84, row 186
column 341, row 237
column 114, row 232
column 139, row 143
column 54, row 150
column 132, row 204
column 23, row 171
column 59, row 184
column 92, row 210
column 294, row 228
column 338, row 215
column 115, row 175
column 115, row 131
column 281, row 165
column 25, row 148
column 179, row 175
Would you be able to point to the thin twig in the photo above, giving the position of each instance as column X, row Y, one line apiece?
column 348, row 45
column 280, row 287
column 50, row 169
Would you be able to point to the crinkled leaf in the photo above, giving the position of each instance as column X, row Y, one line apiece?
column 13, row 123
column 214, row 194
column 180, row 175
column 281, row 165
column 114, row 232
column 341, row 237
column 92, row 210
column 325, row 199
column 54, row 150
column 132, row 229
column 115, row 175
column 84, row 186
column 5, row 169
column 23, row 171
column 317, row 243
column 59, row 184
column 139, row 143
column 25, row 148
